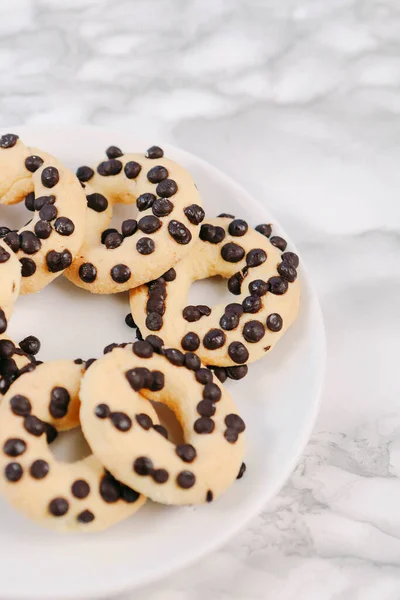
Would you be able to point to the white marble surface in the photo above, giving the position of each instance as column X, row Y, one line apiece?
column 298, row 100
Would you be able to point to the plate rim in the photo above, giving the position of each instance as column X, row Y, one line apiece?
column 213, row 544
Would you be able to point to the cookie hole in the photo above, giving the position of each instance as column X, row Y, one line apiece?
column 14, row 216
column 70, row 446
column 210, row 291
column 121, row 212
column 168, row 419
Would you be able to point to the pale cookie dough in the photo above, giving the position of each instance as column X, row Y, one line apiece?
column 10, row 278
column 167, row 224
column 48, row 243
column 262, row 281
column 118, row 425
column 80, row 496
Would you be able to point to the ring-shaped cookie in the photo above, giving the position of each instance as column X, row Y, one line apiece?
column 64, row 496
column 169, row 213
column 262, row 281
column 48, row 243
column 121, row 432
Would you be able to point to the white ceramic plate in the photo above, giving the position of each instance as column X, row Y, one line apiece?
column 278, row 400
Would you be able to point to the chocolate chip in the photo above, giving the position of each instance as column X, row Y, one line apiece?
column 12, row 240
column 278, row 242
column 166, row 188
column 179, row 232
column 204, row 425
column 149, row 224
column 204, row 310
column 39, row 469
column 64, row 226
column 30, row 201
column 142, row 349
column 191, row 314
column 238, row 352
column 34, row 426
column 29, row 368
column 144, row 421
column 242, row 471
column 20, row 405
column 291, row 258
column 203, row 376
column 145, row 246
column 80, row 489
column 232, row 253
column 132, row 169
column 120, row 273
column 258, row 287
column 194, row 213
column 274, row 322
column 8, row 140
column 145, row 201
column 157, row 174
column 59, row 402
column 89, row 363
column 235, row 422
column 106, row 233
column 109, row 489
column 156, row 342
column 13, row 472
column 264, row 229
column 256, row 257
column 160, row 475
column 231, row 435
column 170, row 275
column 50, row 177
column 288, row 272
column 229, row 321
column 7, row 348
column 154, row 152
column 251, row 304
column 86, row 516
column 43, row 229
column 235, row 283
column 113, row 240
column 84, row 173
column 253, row 331
column 78, row 361
column 214, row 338
column 186, row 480
column 226, row 216
column 8, row 367
column 14, row 447
column 192, row 361
column 138, row 378
column 278, row 285
column 175, row 357
column 51, row 433
column 58, row 507
column 121, row 421
column 143, row 466
column 58, row 261
column 97, row 202
column 157, row 381
column 211, row 392
column 41, row 201
column 220, row 373
column 186, row 452
column 48, row 212
column 128, row 495
column 113, row 152
column 190, row 341
column 28, row 268
column 30, row 344
column 161, row 430
column 87, row 272
column 209, row 496
column 154, row 321
column 206, row 408
column 33, row 163
column 209, row 233
column 129, row 227
column 102, row 411
column 30, row 244
column 4, row 230
column 235, row 308
column 109, row 167
column 162, row 207
column 238, row 227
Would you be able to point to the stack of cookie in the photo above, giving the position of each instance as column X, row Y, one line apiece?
column 181, row 357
